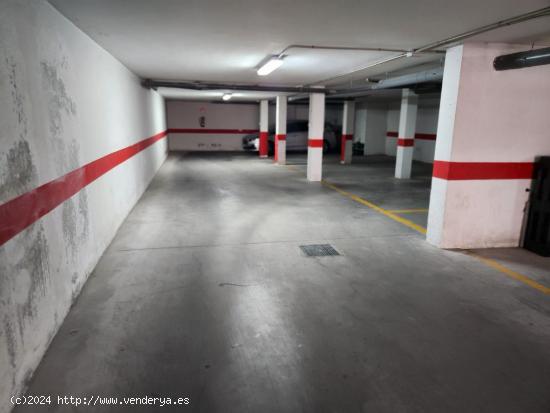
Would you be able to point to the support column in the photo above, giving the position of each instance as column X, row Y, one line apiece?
column 491, row 127
column 280, row 131
column 347, row 132
column 405, row 140
column 264, row 127
column 315, row 136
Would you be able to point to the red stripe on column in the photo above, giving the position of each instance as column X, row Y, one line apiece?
column 421, row 136
column 425, row 136
column 218, row 131
column 455, row 171
column 315, row 143
column 405, row 142
column 278, row 137
column 345, row 137
column 263, row 144
column 19, row 213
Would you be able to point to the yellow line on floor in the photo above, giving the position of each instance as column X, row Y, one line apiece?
column 381, row 210
column 408, row 211
column 487, row 261
column 510, row 273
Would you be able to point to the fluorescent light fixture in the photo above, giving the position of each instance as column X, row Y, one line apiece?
column 272, row 64
column 227, row 96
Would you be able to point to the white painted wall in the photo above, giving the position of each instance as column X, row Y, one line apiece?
column 486, row 116
column 375, row 131
column 426, row 122
column 65, row 102
column 187, row 115
column 360, row 125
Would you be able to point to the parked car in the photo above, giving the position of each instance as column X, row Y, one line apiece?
column 296, row 138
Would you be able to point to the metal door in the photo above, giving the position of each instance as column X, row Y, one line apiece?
column 537, row 234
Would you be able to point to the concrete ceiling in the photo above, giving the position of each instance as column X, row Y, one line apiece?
column 220, row 40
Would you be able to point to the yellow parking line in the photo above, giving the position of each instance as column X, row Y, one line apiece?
column 383, row 211
column 487, row 261
column 510, row 273
column 408, row 211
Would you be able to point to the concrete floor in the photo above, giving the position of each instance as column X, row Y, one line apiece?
column 204, row 293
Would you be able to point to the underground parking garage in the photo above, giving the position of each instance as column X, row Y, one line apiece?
column 275, row 207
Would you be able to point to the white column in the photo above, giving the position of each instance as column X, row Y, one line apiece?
column 405, row 140
column 280, row 130
column 491, row 127
column 348, row 124
column 315, row 136
column 264, row 125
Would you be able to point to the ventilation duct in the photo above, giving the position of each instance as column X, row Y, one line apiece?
column 521, row 60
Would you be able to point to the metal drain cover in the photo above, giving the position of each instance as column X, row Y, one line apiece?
column 318, row 250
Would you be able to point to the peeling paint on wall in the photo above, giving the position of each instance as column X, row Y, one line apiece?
column 17, row 173
column 44, row 105
column 17, row 96
column 59, row 101
column 35, row 264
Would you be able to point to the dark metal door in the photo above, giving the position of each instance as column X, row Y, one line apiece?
column 537, row 234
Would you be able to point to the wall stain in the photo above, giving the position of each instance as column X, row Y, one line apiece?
column 18, row 173
column 59, row 101
column 17, row 96
column 11, row 340
column 69, row 224
column 83, row 211
column 35, row 261
column 75, row 222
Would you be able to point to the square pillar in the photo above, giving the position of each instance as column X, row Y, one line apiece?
column 405, row 140
column 264, row 127
column 280, row 130
column 491, row 127
column 348, row 124
column 315, row 137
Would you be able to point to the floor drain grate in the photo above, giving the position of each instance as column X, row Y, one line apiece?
column 319, row 250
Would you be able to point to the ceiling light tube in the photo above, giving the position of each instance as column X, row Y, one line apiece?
column 272, row 64
column 227, row 96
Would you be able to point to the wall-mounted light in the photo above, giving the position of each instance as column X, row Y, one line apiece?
column 269, row 66
column 227, row 96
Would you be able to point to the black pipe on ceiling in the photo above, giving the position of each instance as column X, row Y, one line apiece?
column 521, row 60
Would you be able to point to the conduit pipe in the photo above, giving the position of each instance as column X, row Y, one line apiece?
column 447, row 41
column 196, row 85
column 344, row 48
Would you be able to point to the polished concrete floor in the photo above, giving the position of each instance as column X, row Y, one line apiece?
column 205, row 293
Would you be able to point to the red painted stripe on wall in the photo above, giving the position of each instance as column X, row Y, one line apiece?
column 280, row 137
column 315, row 143
column 405, row 142
column 421, row 136
column 458, row 171
column 19, row 213
column 213, row 131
